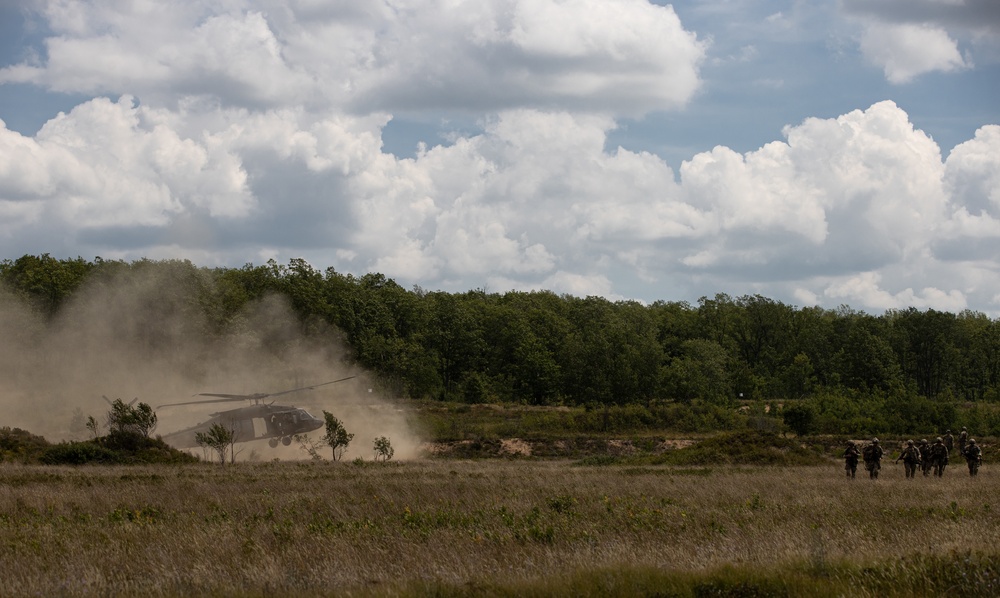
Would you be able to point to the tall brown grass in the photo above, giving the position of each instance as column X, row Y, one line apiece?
column 500, row 527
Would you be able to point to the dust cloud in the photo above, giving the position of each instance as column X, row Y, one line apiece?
column 142, row 334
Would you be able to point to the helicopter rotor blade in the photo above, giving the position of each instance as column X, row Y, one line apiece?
column 284, row 392
column 203, row 402
column 254, row 397
column 263, row 395
column 226, row 396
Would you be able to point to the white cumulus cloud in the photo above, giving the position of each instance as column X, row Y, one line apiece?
column 228, row 130
column 908, row 50
column 624, row 56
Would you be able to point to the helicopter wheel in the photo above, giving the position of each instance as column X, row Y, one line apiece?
column 273, row 442
column 287, row 440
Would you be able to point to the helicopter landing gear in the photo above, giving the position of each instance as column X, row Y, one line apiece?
column 287, row 440
column 272, row 442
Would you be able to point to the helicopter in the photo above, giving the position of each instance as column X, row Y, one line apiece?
column 276, row 423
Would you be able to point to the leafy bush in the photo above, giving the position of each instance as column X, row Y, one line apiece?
column 114, row 449
column 18, row 445
column 799, row 418
column 78, row 453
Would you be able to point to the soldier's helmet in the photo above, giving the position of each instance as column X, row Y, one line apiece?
column 909, row 442
column 973, row 441
column 850, row 443
column 938, row 439
column 874, row 440
column 923, row 441
column 947, row 431
column 963, row 427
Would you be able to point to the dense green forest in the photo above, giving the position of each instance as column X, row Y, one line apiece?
column 836, row 371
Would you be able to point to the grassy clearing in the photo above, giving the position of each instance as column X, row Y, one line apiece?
column 492, row 527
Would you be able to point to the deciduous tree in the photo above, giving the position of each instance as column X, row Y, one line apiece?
column 219, row 438
column 336, row 436
column 383, row 449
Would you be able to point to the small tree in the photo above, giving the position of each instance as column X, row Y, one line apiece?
column 383, row 449
column 218, row 438
column 93, row 426
column 124, row 418
column 336, row 436
column 143, row 419
column 310, row 446
column 118, row 417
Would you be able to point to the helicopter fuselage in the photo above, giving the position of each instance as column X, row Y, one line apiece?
column 276, row 423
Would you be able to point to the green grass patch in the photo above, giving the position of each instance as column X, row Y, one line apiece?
column 966, row 575
column 744, row 447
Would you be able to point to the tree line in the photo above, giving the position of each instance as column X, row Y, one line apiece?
column 831, row 370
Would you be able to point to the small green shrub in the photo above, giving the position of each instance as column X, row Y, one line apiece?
column 78, row 453
column 115, row 449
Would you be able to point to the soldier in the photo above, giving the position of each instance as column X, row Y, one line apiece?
column 949, row 441
column 974, row 457
column 872, row 454
column 911, row 458
column 851, row 457
column 925, row 457
column 939, row 457
column 962, row 438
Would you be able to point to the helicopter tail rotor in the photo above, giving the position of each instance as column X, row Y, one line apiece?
column 112, row 403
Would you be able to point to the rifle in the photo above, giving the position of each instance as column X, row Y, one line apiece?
column 903, row 454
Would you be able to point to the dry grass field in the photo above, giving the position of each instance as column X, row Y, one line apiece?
column 493, row 527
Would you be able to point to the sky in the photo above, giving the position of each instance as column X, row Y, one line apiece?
column 820, row 153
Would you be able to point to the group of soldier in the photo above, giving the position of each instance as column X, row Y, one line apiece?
column 925, row 455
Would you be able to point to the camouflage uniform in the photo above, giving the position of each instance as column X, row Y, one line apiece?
column 939, row 457
column 974, row 457
column 911, row 458
column 925, row 457
column 949, row 441
column 872, row 454
column 851, row 457
column 963, row 437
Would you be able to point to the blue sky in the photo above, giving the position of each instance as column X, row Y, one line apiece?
column 818, row 153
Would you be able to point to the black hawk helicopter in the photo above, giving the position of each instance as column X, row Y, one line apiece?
column 276, row 423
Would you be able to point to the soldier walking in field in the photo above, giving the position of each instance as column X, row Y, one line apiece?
column 851, row 457
column 872, row 454
column 949, row 441
column 974, row 457
column 963, row 438
column 925, row 457
column 911, row 458
column 939, row 457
